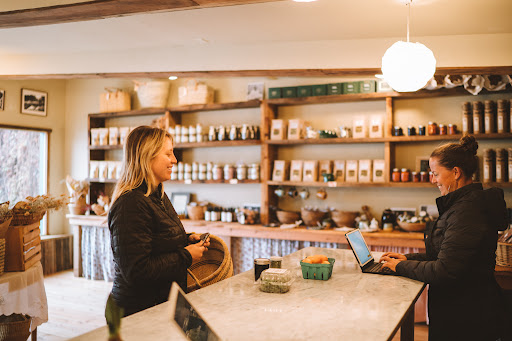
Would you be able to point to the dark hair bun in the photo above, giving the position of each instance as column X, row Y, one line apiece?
column 468, row 142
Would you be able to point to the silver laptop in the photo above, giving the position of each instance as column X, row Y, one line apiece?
column 188, row 318
column 364, row 256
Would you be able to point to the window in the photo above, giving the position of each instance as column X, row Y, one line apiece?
column 23, row 165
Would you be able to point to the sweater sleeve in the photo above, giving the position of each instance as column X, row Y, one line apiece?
column 131, row 229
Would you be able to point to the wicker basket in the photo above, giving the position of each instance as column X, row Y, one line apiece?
column 286, row 217
column 16, row 330
column 22, row 219
column 504, row 254
column 153, row 94
column 412, row 227
column 215, row 265
column 344, row 218
column 196, row 212
column 312, row 218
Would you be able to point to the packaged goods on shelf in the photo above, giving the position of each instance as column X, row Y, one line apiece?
column 351, row 170
column 334, row 89
column 281, row 168
column 103, row 136
column 360, row 129
column 378, row 171
column 310, row 171
column 383, row 86
column 376, row 129
column 123, row 134
column 324, row 167
column 365, row 171
column 114, row 100
column 278, row 130
column 296, row 170
column 296, row 130
column 94, row 171
column 102, row 170
column 113, row 136
column 95, row 137
column 339, row 171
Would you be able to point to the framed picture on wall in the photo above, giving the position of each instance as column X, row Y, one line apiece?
column 2, row 99
column 180, row 201
column 34, row 102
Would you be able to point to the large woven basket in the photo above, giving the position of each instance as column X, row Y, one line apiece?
column 504, row 254
column 3, row 230
column 21, row 219
column 215, row 265
column 16, row 330
column 152, row 94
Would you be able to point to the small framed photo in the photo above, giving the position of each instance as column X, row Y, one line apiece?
column 2, row 99
column 34, row 102
column 255, row 91
column 422, row 164
column 180, row 201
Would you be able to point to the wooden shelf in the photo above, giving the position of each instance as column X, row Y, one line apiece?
column 335, row 184
column 140, row 112
column 108, row 147
column 227, row 182
column 210, row 144
column 337, row 140
column 102, row 181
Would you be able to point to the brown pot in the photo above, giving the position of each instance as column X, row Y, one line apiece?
column 344, row 218
column 286, row 217
column 312, row 218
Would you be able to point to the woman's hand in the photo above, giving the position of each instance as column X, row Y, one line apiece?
column 391, row 259
column 196, row 250
column 194, row 238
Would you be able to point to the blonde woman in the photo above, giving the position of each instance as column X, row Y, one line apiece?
column 150, row 246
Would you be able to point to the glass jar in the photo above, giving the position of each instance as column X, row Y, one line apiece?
column 254, row 172
column 478, row 117
column 452, row 129
column 229, row 172
column 217, row 172
column 490, row 117
column 276, row 262
column 221, row 133
column 241, row 172
column 421, row 130
column 501, row 164
column 397, row 131
column 432, row 128
column 467, row 118
column 489, row 165
column 502, row 117
column 415, row 177
column 260, row 264
column 405, row 176
column 233, row 132
column 212, row 134
column 395, row 176
column 411, row 131
column 443, row 130
column 424, row 176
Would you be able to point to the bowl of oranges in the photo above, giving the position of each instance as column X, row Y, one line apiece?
column 317, row 267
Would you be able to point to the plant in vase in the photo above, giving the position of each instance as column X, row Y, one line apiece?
column 78, row 190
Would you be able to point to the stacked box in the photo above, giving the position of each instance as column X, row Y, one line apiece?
column 304, row 91
column 334, row 89
column 289, row 92
column 274, row 93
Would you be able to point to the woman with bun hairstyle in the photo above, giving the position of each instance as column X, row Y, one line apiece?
column 464, row 299
column 150, row 246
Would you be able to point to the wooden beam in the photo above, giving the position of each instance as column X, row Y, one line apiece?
column 102, row 9
column 359, row 72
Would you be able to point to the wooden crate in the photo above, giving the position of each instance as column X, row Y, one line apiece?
column 22, row 247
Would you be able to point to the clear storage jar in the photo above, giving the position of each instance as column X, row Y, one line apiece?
column 276, row 281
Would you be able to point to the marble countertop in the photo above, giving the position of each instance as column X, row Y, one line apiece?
column 350, row 305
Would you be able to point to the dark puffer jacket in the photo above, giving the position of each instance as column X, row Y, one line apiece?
column 464, row 300
column 148, row 242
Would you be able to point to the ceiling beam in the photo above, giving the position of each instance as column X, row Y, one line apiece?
column 102, row 9
column 361, row 72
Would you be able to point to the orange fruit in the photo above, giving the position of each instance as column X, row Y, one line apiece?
column 322, row 257
column 326, row 262
column 307, row 260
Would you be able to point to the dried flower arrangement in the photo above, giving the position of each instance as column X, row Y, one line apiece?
column 5, row 211
column 77, row 190
column 39, row 204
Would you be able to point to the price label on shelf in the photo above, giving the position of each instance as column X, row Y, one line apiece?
column 233, row 181
column 332, row 184
column 188, row 182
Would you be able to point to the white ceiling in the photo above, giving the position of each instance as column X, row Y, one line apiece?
column 272, row 22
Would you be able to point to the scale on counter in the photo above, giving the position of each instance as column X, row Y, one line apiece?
column 187, row 317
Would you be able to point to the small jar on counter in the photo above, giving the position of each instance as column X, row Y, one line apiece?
column 424, row 176
column 432, row 128
column 405, row 175
column 395, row 176
column 276, row 262
column 415, row 177
column 443, row 130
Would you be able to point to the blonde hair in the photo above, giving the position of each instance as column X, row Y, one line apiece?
column 142, row 145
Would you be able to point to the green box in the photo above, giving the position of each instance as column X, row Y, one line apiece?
column 350, row 87
column 317, row 271
column 274, row 93
column 319, row 90
column 334, row 89
column 304, row 91
column 367, row 86
column 290, row 91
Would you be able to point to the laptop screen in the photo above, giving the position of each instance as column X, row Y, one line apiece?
column 187, row 317
column 358, row 245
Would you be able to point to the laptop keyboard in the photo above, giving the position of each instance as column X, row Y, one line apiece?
column 377, row 268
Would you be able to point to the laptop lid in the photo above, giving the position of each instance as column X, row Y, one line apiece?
column 188, row 318
column 358, row 245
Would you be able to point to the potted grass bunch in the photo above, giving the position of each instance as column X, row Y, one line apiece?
column 32, row 209
column 78, row 190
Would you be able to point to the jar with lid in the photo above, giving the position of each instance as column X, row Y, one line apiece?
column 405, row 175
column 489, row 165
column 452, row 129
column 432, row 128
column 478, row 117
column 241, row 171
column 199, row 132
column 415, row 177
column 421, row 130
column 276, row 262
column 244, row 132
column 209, row 171
column 212, row 134
column 229, row 172
column 254, row 172
column 207, row 215
column 502, row 116
column 221, row 133
column 443, row 130
column 489, row 117
column 233, row 132
column 397, row 131
column 395, row 176
column 424, row 176
column 260, row 264
column 467, row 118
column 217, row 172
column 501, row 165
column 411, row 131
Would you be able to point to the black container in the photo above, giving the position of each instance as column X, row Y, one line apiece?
column 421, row 130
column 260, row 264
column 388, row 220
column 411, row 131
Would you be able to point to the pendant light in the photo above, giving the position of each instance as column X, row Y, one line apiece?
column 407, row 66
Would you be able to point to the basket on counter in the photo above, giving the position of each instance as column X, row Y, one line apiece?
column 317, row 271
column 412, row 227
column 26, row 219
column 215, row 265
column 504, row 254
column 287, row 217
column 312, row 217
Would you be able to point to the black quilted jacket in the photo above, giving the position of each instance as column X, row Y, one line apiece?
column 148, row 242
column 464, row 300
